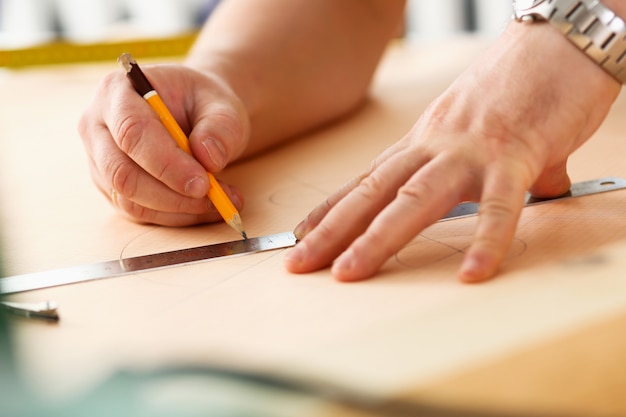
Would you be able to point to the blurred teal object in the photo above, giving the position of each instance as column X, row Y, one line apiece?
column 202, row 391
column 12, row 395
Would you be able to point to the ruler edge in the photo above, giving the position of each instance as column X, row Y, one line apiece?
column 618, row 183
column 16, row 288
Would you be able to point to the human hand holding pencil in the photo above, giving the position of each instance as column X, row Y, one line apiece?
column 143, row 87
column 134, row 160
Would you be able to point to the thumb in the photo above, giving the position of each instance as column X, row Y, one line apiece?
column 552, row 182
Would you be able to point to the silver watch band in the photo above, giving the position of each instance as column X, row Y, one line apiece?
column 589, row 25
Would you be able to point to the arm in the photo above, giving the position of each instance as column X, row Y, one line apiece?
column 296, row 64
column 507, row 125
column 261, row 72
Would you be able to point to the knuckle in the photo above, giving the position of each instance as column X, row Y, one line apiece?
column 415, row 192
column 128, row 132
column 376, row 238
column 231, row 123
column 488, row 243
column 496, row 208
column 321, row 239
column 370, row 187
column 124, row 178
column 323, row 232
column 138, row 213
column 181, row 204
column 163, row 170
column 109, row 81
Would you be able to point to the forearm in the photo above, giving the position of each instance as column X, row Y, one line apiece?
column 296, row 64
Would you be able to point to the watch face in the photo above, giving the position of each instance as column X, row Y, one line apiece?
column 526, row 4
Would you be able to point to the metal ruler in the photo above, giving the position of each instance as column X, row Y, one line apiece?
column 120, row 267
column 578, row 189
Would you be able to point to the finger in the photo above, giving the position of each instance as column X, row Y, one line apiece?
column 123, row 177
column 352, row 215
column 552, row 182
column 139, row 133
column 424, row 199
column 499, row 211
column 116, row 171
column 205, row 213
column 220, row 132
column 141, row 214
column 313, row 219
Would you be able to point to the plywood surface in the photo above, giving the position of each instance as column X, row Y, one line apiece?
column 412, row 330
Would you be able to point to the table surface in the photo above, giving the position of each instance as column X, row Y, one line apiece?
column 544, row 337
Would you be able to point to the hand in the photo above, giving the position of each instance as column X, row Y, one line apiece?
column 505, row 126
column 138, row 166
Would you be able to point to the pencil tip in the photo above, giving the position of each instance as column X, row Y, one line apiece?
column 236, row 223
column 126, row 61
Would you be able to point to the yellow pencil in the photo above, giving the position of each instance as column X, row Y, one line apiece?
column 216, row 194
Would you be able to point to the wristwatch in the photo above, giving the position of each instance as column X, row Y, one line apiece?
column 588, row 24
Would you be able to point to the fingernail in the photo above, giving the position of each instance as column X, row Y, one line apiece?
column 216, row 152
column 343, row 264
column 196, row 187
column 300, row 230
column 471, row 270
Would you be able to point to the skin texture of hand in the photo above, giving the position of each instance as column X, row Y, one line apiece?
column 505, row 126
column 263, row 72
column 137, row 165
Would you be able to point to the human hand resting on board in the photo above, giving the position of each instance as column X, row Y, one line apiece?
column 505, row 126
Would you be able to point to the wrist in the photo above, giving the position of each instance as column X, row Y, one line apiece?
column 596, row 30
column 541, row 48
